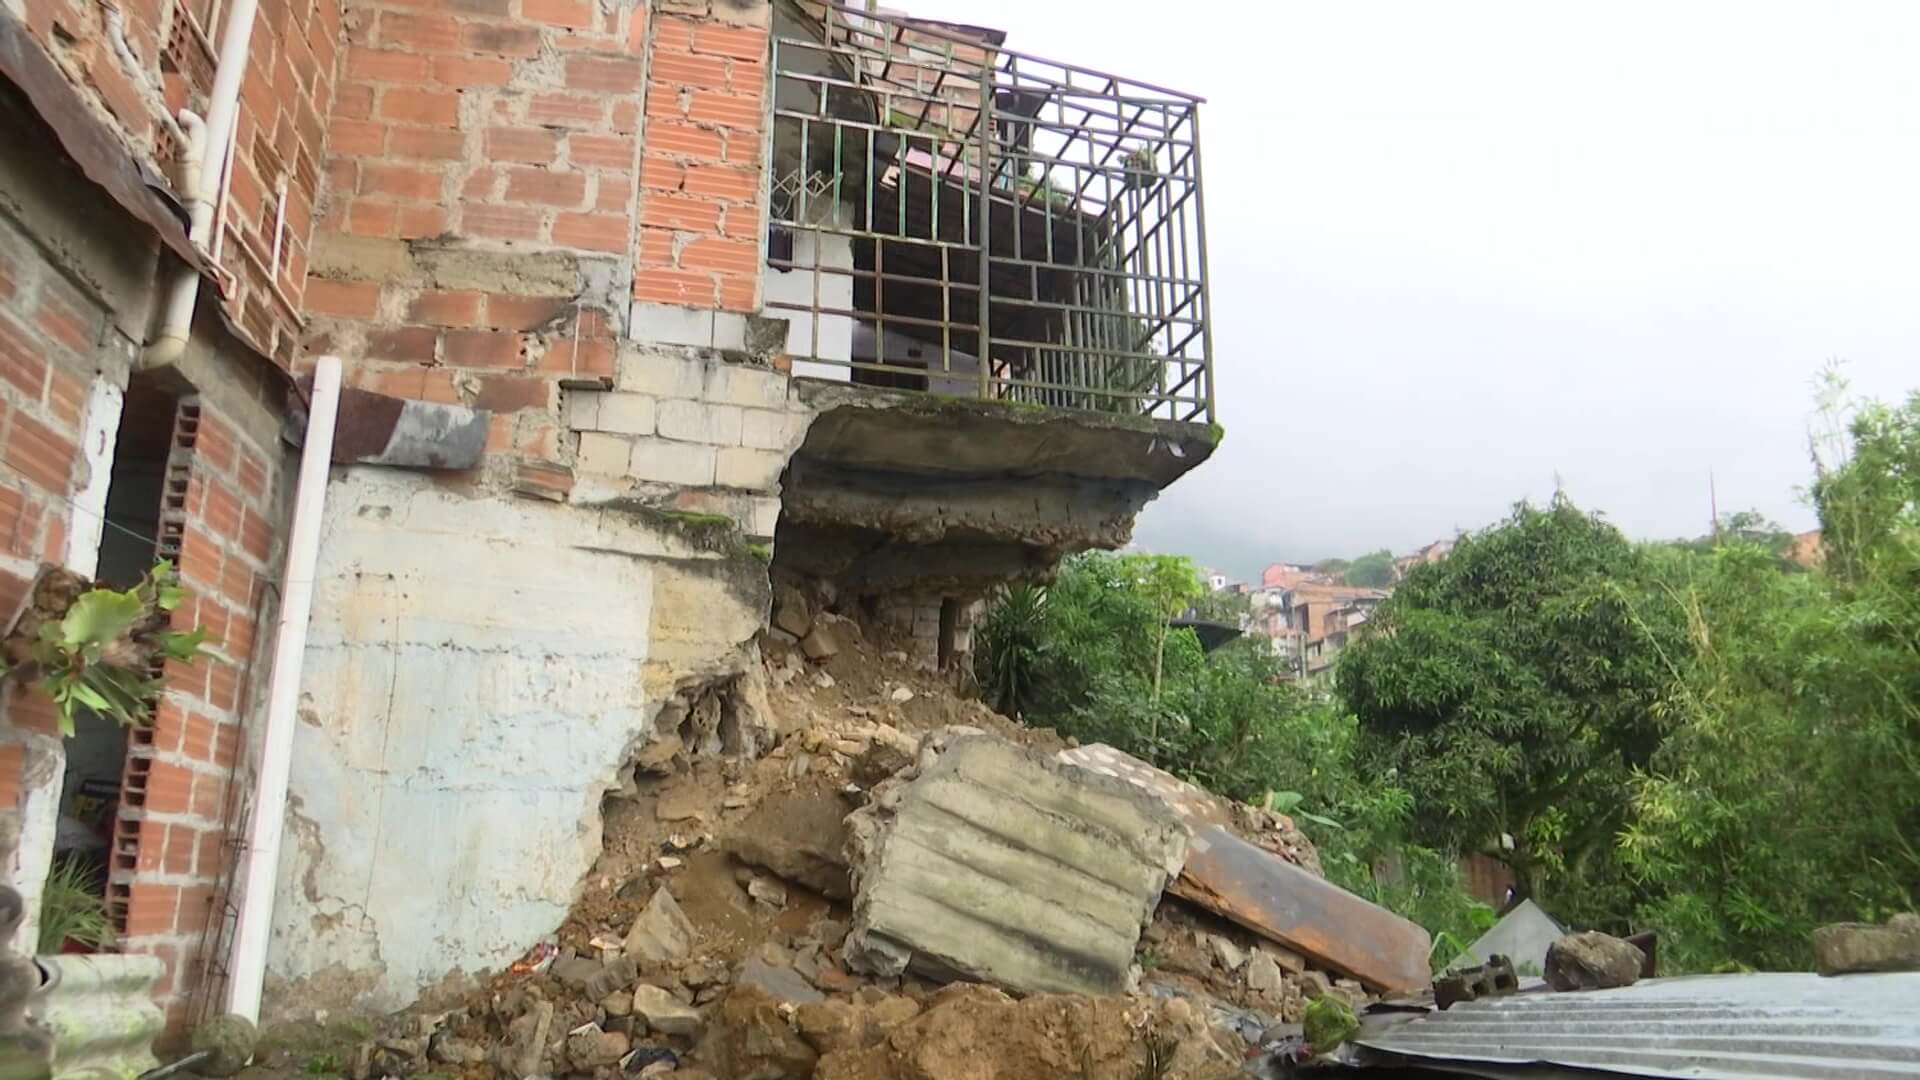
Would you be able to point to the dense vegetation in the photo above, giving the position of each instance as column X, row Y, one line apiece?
column 1703, row 737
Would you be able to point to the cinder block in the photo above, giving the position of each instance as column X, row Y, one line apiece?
column 626, row 414
column 668, row 462
column 773, row 429
column 583, row 409
column 729, row 330
column 695, row 421
column 661, row 375
column 753, row 387
column 744, row 467
column 666, row 324
column 606, row 455
column 766, row 516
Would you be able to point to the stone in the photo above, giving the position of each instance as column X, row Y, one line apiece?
column 617, row 973
column 662, row 933
column 657, row 756
column 618, row 1003
column 524, row 1054
column 768, row 891
column 576, row 970
column 665, row 1013
column 590, row 1048
column 779, row 981
column 1592, row 961
column 1264, row 975
column 1285, row 957
column 748, row 1039
column 799, row 835
column 1315, row 983
column 829, row 1026
column 901, row 695
column 1228, row 955
column 821, row 643
column 1057, row 910
column 1846, row 948
column 229, row 1039
column 452, row 1050
column 830, row 933
column 791, row 612
column 679, row 806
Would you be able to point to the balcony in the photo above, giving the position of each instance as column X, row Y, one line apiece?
column 951, row 216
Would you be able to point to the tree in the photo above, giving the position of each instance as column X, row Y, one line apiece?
column 1373, row 570
column 1513, row 688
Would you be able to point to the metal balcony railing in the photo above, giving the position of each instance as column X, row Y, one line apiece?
column 952, row 216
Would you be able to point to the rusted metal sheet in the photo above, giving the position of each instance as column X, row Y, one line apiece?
column 1275, row 899
column 378, row 429
column 90, row 143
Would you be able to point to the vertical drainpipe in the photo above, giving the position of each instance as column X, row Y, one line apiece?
column 265, row 826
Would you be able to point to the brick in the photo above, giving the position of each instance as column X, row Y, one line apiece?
column 223, row 684
column 214, row 442
column 603, row 75
column 483, row 349
column 574, row 13
column 406, row 343
column 613, row 192
column 418, row 383
column 32, row 710
column 371, row 218
column 409, row 106
column 547, row 187
column 579, row 358
column 236, row 582
column 686, row 69
column 39, row 454
column 431, row 144
column 501, row 40
column 626, row 414
column 670, row 211
column 500, row 222
column 67, row 317
column 210, row 856
column 252, row 476
column 718, row 253
column 566, row 110
column 446, row 308
column 356, row 138
column 400, row 181
column 725, row 108
column 226, row 745
column 414, row 222
column 741, row 42
column 21, row 364
column 600, row 151
column 744, row 467
column 387, row 65
column 169, row 788
column 684, row 141
column 738, row 292
column 723, row 182
column 223, row 515
column 593, row 232
column 430, row 33
column 256, row 536
column 625, row 117
column 694, row 421
column 742, row 222
column 471, row 71
column 536, row 146
column 672, row 462
column 659, row 173
column 542, row 479
column 771, row 429
column 511, row 393
column 66, row 397
column 151, row 908
column 604, row 455
column 684, row 287
column 506, row 311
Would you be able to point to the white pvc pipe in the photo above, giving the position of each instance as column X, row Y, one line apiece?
column 255, row 920
column 223, row 109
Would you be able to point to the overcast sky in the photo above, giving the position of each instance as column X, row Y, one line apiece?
column 1459, row 248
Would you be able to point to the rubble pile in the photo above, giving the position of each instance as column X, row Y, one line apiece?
column 840, row 868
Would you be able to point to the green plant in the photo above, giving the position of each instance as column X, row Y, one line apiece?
column 73, row 908
column 98, row 652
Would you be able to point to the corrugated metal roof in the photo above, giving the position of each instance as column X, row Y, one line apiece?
column 1756, row 1025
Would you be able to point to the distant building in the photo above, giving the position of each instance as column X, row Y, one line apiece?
column 1432, row 553
column 1310, row 622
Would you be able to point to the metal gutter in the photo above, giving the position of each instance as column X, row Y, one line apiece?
column 1707, row 1026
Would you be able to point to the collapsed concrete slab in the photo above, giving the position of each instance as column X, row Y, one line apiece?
column 1003, row 865
column 1284, row 903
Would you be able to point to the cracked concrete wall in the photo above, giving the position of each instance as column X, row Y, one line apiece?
column 477, row 671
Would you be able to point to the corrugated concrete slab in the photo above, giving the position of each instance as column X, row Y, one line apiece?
column 1011, row 867
column 1277, row 900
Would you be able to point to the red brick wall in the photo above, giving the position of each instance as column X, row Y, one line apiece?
column 285, row 99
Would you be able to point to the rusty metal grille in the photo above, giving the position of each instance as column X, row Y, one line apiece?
column 949, row 215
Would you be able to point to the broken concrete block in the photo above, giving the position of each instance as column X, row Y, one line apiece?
column 747, row 1039
column 1592, row 961
column 1264, row 975
column 665, row 1013
column 778, row 980
column 821, row 643
column 1846, row 948
column 799, row 835
column 767, row 891
column 1287, row 904
column 791, row 611
column 1011, row 867
column 590, row 1047
column 615, row 974
column 1226, row 953
column 576, row 970
column 662, row 933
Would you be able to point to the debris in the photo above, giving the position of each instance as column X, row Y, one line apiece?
column 823, row 680
column 657, row 756
column 525, row 1052
column 665, row 1013
column 901, row 695
column 1845, row 948
column 778, row 981
column 791, row 611
column 618, row 1003
column 537, row 961
column 799, row 835
column 617, row 973
column 939, row 887
column 1315, row 984
column 1289, row 905
column 589, row 1047
column 1330, row 1022
column 1264, row 975
column 747, row 1039
column 680, row 806
column 821, row 643
column 767, row 891
column 668, row 863
column 229, row 1042
column 576, row 970
column 1491, row 979
column 1592, row 961
column 662, row 933
column 1227, row 954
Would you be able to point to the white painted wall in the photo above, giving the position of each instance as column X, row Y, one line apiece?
column 477, row 670
column 835, row 342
